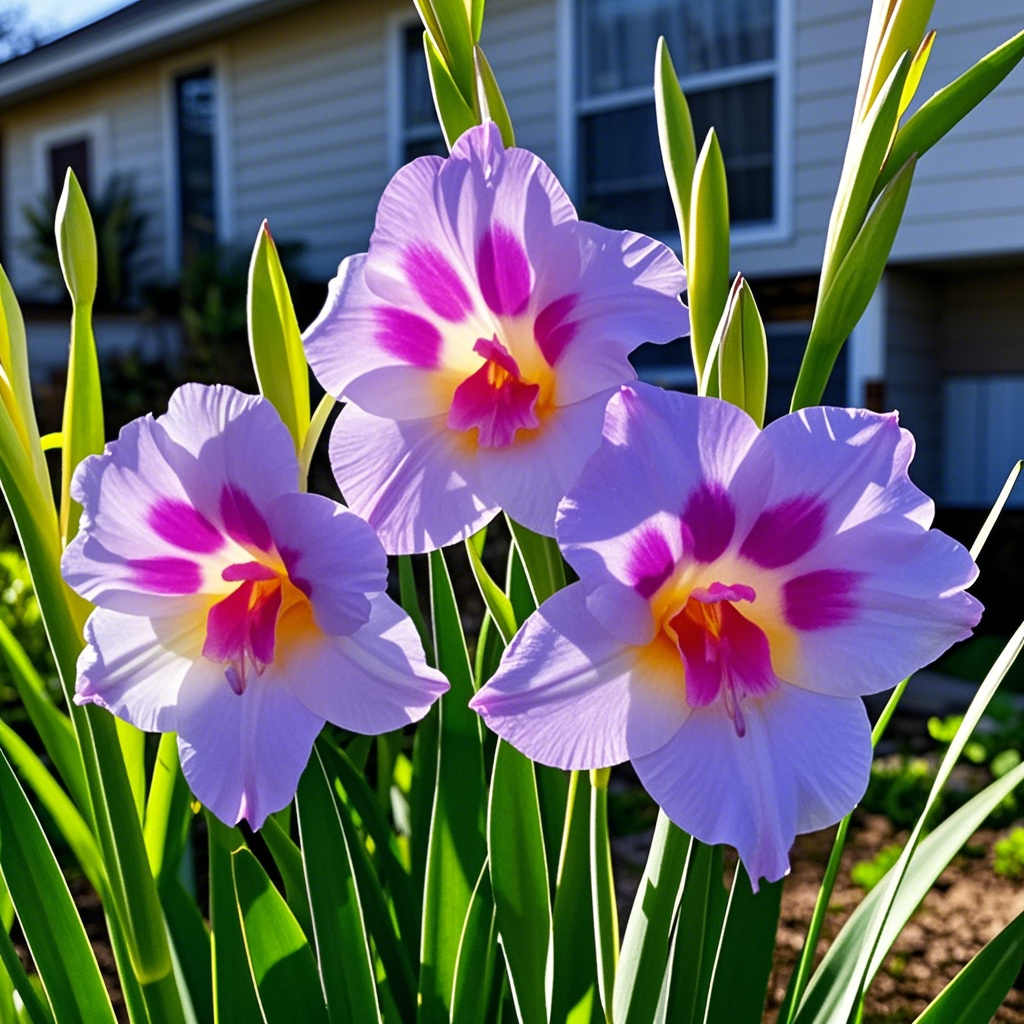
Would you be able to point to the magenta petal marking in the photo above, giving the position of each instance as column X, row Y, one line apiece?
column 408, row 336
column 503, row 271
column 242, row 520
column 494, row 400
column 821, row 599
column 710, row 518
column 650, row 562
column 550, row 330
column 436, row 281
column 720, row 592
column 263, row 627
column 178, row 523
column 247, row 571
column 785, row 532
column 227, row 625
column 166, row 575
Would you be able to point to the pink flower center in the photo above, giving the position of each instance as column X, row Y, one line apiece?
column 241, row 628
column 495, row 400
column 724, row 654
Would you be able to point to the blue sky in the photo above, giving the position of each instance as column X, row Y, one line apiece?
column 55, row 17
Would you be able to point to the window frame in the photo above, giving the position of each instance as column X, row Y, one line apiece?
column 573, row 107
column 93, row 130
column 399, row 135
column 216, row 60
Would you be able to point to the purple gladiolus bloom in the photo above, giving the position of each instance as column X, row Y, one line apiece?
column 478, row 342
column 739, row 591
column 231, row 608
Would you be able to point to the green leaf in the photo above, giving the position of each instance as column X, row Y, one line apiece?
column 280, row 960
column 576, row 976
column 696, row 935
column 392, row 947
column 274, row 339
column 410, row 602
column 490, row 100
column 949, row 106
column 707, row 273
column 16, row 390
column 519, row 880
column 456, row 848
column 234, row 995
column 477, row 957
column 35, row 1011
column 168, row 812
column 52, row 797
column 453, row 27
column 476, row 18
column 851, row 289
column 288, row 861
column 454, row 113
column 977, row 992
column 54, row 728
column 494, row 597
column 52, row 928
column 190, row 942
column 606, row 916
column 865, row 154
column 743, row 962
column 835, row 986
column 904, row 25
column 917, row 66
column 542, row 559
column 743, row 353
column 645, row 947
column 678, row 145
column 343, row 953
column 76, row 242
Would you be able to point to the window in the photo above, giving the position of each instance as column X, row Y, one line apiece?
column 725, row 54
column 195, row 112
column 73, row 153
column 420, row 134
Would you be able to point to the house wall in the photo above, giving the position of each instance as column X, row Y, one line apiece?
column 968, row 193
column 309, row 124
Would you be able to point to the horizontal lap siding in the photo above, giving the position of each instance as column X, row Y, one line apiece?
column 131, row 143
column 974, row 178
column 310, row 107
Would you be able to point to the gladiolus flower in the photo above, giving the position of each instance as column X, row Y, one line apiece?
column 233, row 609
column 478, row 342
column 739, row 591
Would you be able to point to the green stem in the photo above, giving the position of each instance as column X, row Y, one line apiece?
column 316, row 428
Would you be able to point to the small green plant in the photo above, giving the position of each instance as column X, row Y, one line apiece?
column 1009, row 856
column 866, row 874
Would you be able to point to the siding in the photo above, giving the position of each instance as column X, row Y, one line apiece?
column 311, row 97
column 968, row 193
column 125, row 109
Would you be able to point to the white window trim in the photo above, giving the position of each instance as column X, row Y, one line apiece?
column 398, row 136
column 95, row 128
column 571, row 107
column 216, row 59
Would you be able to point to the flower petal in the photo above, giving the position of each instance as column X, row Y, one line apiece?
column 802, row 764
column 529, row 478
column 664, row 463
column 371, row 681
column 134, row 666
column 242, row 753
column 413, row 482
column 332, row 556
column 569, row 694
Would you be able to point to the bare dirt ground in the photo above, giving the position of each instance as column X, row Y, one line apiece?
column 968, row 906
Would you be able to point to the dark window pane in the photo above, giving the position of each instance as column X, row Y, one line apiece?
column 420, row 130
column 622, row 175
column 786, row 344
column 73, row 153
column 195, row 95
column 618, row 37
